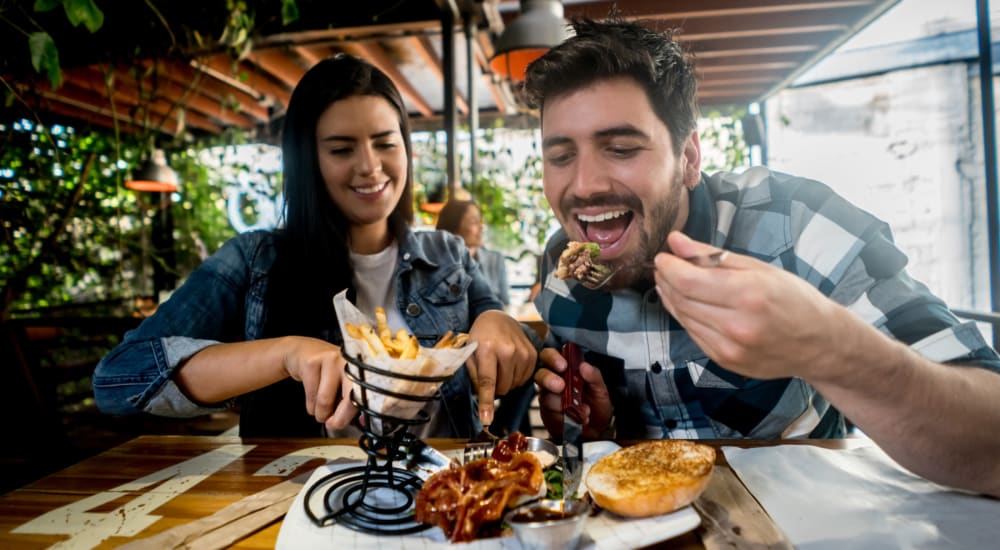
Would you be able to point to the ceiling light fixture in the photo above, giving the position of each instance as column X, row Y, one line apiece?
column 154, row 175
column 539, row 27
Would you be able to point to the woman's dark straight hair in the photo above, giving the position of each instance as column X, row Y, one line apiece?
column 312, row 261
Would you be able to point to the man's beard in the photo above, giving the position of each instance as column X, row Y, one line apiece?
column 638, row 267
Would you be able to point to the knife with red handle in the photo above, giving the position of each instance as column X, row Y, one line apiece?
column 572, row 406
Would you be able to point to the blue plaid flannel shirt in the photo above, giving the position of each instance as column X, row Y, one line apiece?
column 663, row 386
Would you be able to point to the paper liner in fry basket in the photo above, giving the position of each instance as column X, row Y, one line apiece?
column 428, row 362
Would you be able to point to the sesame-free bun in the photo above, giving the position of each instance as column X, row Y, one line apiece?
column 651, row 478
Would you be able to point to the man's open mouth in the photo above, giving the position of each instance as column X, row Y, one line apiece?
column 605, row 228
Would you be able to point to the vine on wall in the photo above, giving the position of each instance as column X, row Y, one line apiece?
column 72, row 233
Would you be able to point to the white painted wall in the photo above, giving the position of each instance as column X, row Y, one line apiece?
column 907, row 147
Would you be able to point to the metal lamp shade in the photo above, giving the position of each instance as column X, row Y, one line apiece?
column 154, row 175
column 539, row 27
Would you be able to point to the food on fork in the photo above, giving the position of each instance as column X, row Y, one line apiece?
column 577, row 261
column 651, row 478
column 468, row 502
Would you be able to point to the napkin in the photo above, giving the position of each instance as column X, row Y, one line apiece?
column 861, row 499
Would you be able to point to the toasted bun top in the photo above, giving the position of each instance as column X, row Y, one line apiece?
column 651, row 478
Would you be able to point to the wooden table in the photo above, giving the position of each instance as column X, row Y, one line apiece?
column 136, row 488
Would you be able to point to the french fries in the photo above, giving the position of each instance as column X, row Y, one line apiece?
column 402, row 345
column 451, row 340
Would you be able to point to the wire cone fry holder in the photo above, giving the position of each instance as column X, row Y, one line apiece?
column 379, row 496
column 392, row 395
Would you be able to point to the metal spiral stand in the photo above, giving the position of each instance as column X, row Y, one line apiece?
column 377, row 497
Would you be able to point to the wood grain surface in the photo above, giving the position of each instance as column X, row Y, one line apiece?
column 233, row 491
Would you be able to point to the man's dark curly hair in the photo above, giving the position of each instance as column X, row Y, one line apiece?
column 612, row 49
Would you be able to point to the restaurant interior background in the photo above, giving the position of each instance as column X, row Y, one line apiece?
column 885, row 108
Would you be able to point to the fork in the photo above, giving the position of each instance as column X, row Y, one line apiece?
column 479, row 446
column 599, row 275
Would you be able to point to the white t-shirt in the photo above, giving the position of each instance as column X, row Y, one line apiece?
column 374, row 281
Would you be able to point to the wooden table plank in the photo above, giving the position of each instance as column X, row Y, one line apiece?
column 136, row 486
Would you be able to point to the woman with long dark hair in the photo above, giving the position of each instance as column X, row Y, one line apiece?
column 255, row 323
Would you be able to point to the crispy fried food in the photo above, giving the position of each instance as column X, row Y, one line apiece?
column 402, row 345
column 353, row 331
column 373, row 341
column 467, row 501
column 445, row 341
column 452, row 340
column 411, row 347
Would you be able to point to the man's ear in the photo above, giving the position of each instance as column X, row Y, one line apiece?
column 691, row 160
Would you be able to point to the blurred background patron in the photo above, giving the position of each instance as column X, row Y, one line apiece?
column 465, row 219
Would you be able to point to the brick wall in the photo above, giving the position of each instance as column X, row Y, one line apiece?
column 906, row 146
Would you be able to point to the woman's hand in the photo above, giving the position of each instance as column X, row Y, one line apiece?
column 319, row 365
column 597, row 406
column 504, row 359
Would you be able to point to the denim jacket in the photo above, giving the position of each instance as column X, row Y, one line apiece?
column 439, row 287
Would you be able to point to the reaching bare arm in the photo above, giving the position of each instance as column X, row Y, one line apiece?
column 223, row 371
column 760, row 321
column 937, row 420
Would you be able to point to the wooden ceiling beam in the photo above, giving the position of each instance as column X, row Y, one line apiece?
column 88, row 101
column 710, row 83
column 763, row 24
column 761, row 33
column 740, row 91
column 246, row 76
column 186, row 96
column 487, row 74
column 747, row 67
column 160, row 110
column 312, row 54
column 798, row 52
column 760, row 75
column 751, row 42
column 232, row 98
column 279, row 64
column 374, row 54
column 335, row 36
column 425, row 49
column 692, row 9
column 76, row 112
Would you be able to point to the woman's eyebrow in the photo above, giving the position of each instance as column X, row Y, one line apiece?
column 376, row 135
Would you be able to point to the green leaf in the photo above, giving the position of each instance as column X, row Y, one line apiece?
column 289, row 11
column 46, row 5
column 45, row 57
column 84, row 11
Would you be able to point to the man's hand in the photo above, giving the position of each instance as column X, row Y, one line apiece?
column 320, row 367
column 503, row 360
column 748, row 316
column 597, row 407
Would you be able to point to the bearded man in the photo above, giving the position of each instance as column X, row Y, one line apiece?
column 809, row 318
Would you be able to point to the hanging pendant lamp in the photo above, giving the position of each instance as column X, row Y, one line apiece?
column 539, row 27
column 154, row 175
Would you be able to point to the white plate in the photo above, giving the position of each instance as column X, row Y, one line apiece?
column 604, row 531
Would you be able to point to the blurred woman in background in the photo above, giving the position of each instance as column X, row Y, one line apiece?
column 465, row 219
